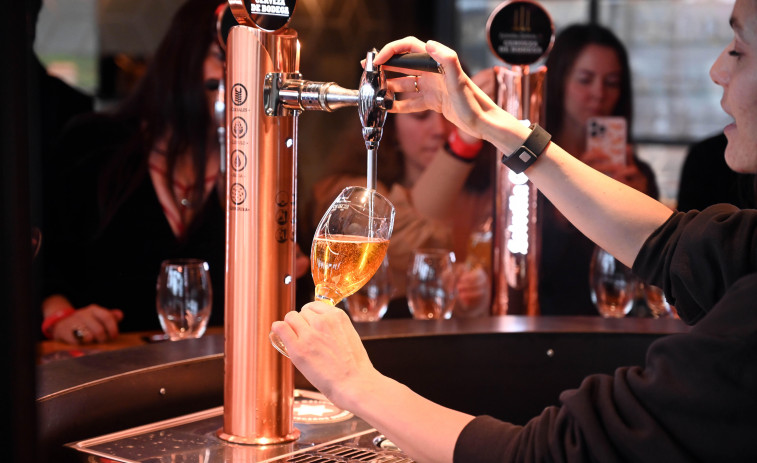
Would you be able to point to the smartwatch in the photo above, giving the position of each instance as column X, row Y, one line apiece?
column 529, row 151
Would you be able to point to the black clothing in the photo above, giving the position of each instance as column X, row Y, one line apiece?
column 566, row 256
column 110, row 254
column 54, row 105
column 706, row 179
column 696, row 398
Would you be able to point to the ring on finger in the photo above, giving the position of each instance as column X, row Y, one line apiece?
column 79, row 334
column 415, row 82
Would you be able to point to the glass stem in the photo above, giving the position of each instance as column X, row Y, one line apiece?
column 326, row 299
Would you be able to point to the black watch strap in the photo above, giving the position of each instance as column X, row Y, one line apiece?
column 529, row 151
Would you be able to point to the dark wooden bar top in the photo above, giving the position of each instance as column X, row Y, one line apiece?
column 510, row 367
column 519, row 324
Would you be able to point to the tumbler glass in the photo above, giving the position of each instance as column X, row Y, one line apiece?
column 432, row 284
column 612, row 284
column 655, row 299
column 184, row 298
column 369, row 303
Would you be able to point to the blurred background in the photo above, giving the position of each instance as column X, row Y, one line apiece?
column 102, row 46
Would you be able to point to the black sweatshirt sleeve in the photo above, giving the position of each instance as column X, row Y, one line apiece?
column 694, row 399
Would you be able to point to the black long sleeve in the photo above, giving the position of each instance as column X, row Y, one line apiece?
column 694, row 400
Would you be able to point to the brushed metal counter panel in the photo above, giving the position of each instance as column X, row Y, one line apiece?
column 193, row 439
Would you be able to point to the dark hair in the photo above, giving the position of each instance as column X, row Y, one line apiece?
column 567, row 47
column 169, row 101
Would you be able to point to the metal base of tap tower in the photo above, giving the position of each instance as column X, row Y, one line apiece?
column 193, row 438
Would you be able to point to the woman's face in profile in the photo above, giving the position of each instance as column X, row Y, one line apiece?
column 420, row 136
column 592, row 86
column 736, row 71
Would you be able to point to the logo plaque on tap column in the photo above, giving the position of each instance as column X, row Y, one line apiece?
column 269, row 15
column 520, row 32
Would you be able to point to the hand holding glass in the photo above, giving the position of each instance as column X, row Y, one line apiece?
column 349, row 245
column 184, row 298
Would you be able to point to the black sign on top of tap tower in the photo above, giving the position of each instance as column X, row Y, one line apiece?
column 520, row 32
column 269, row 15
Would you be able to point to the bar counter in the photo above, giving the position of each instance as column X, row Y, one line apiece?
column 510, row 367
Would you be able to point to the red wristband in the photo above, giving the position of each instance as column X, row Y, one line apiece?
column 461, row 149
column 49, row 322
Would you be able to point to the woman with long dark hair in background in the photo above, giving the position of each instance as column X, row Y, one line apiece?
column 588, row 76
column 137, row 185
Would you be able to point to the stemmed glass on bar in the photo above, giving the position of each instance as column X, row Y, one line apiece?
column 349, row 245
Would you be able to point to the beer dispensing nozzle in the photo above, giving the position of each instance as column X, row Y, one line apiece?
column 373, row 104
column 285, row 92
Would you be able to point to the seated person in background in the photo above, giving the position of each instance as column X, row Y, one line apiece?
column 588, row 76
column 440, row 198
column 137, row 186
column 707, row 180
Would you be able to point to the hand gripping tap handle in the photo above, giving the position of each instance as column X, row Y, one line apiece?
column 373, row 97
column 375, row 100
column 414, row 61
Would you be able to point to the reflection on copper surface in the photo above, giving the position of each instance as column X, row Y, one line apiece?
column 517, row 240
column 259, row 383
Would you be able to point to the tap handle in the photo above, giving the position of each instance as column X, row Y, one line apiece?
column 374, row 99
column 414, row 61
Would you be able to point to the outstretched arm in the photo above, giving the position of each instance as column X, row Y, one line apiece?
column 321, row 340
column 325, row 347
column 616, row 217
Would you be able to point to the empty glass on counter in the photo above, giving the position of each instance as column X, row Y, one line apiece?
column 612, row 284
column 369, row 303
column 432, row 284
column 184, row 298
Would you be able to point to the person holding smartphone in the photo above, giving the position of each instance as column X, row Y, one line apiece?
column 589, row 99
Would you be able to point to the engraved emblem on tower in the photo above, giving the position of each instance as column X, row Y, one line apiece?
column 238, row 193
column 238, row 160
column 238, row 94
column 238, row 127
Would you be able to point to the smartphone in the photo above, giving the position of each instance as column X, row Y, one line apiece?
column 608, row 134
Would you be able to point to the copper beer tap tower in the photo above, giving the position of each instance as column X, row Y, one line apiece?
column 520, row 33
column 265, row 94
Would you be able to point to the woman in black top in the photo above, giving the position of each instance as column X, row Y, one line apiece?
column 694, row 400
column 136, row 186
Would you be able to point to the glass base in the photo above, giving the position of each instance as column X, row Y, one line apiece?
column 277, row 344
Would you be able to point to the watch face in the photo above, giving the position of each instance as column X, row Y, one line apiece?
column 525, row 154
column 519, row 160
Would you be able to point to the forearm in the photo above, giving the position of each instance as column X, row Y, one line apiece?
column 426, row 431
column 439, row 185
column 613, row 215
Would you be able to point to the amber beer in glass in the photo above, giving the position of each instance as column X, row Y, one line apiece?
column 349, row 245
